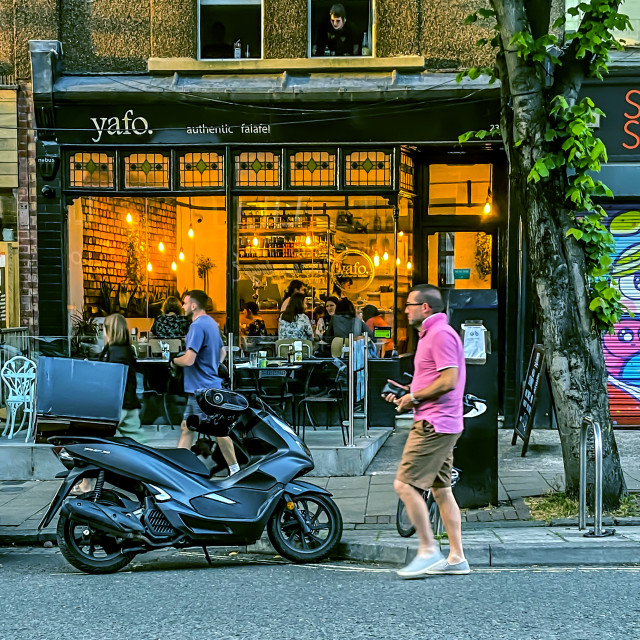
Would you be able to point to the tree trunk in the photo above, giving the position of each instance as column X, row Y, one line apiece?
column 574, row 357
column 572, row 348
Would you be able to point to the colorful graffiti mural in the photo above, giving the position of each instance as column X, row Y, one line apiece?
column 622, row 348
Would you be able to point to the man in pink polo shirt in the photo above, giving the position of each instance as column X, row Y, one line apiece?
column 435, row 398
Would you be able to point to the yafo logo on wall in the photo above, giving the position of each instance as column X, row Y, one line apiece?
column 125, row 126
column 352, row 271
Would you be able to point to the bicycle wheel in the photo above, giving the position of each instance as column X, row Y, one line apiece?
column 403, row 524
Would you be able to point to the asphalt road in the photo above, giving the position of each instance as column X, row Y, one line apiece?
column 176, row 595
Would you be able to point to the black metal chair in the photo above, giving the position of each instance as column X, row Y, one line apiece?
column 331, row 394
column 272, row 386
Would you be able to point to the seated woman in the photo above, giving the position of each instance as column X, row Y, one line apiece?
column 251, row 324
column 294, row 323
column 171, row 323
column 345, row 322
column 329, row 309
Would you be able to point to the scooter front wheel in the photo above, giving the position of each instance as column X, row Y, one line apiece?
column 309, row 531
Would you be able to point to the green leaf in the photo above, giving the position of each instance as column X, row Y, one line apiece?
column 471, row 18
column 486, row 13
column 576, row 233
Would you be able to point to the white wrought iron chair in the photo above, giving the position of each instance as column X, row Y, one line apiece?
column 19, row 377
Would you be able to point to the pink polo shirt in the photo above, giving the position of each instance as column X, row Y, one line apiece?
column 439, row 347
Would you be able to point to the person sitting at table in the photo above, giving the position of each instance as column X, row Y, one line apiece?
column 294, row 322
column 171, row 323
column 251, row 324
column 345, row 322
column 295, row 286
column 329, row 310
column 372, row 318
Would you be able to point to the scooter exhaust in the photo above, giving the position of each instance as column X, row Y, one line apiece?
column 110, row 519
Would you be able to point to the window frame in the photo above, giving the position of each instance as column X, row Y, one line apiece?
column 212, row 3
column 371, row 31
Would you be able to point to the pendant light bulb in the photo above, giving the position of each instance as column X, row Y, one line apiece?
column 174, row 266
column 400, row 234
column 181, row 254
column 385, row 256
column 398, row 261
column 129, row 218
column 161, row 246
column 409, row 266
column 487, row 204
column 190, row 232
column 307, row 240
column 149, row 267
column 376, row 260
column 255, row 241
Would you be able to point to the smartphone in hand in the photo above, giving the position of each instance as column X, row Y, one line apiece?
column 394, row 389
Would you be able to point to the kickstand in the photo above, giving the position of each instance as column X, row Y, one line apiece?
column 206, row 555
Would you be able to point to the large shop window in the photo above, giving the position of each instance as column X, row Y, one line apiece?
column 128, row 255
column 336, row 245
column 230, row 29
column 340, row 29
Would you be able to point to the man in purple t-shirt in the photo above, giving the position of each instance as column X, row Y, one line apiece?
column 204, row 352
column 436, row 401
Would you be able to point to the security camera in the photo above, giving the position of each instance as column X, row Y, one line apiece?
column 199, row 219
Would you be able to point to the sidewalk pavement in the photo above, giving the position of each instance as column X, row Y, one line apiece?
column 505, row 537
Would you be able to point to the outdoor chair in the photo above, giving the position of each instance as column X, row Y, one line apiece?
column 332, row 394
column 282, row 347
column 144, row 395
column 272, row 386
column 19, row 377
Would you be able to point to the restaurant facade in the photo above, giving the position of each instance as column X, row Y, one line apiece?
column 355, row 183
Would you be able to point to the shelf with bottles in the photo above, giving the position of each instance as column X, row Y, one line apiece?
column 259, row 222
column 298, row 248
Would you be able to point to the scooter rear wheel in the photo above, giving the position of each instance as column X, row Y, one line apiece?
column 88, row 550
column 322, row 521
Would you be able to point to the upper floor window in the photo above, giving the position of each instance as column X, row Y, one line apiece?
column 338, row 29
column 229, row 29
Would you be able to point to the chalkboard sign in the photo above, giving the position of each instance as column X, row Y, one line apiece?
column 529, row 399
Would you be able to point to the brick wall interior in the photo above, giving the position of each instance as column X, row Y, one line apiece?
column 106, row 235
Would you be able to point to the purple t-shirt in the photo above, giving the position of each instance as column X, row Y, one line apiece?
column 439, row 347
column 203, row 338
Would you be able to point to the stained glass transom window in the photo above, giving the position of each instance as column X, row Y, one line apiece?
column 312, row 169
column 91, row 170
column 368, row 169
column 202, row 170
column 407, row 173
column 257, row 169
column 146, row 170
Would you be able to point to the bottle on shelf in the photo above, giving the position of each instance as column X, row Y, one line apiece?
column 366, row 50
column 237, row 49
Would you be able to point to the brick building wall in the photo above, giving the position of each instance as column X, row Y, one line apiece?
column 106, row 238
column 27, row 222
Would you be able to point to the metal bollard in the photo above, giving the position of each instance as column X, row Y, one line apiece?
column 230, row 358
column 597, row 531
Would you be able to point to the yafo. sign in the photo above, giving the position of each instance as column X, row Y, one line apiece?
column 352, row 271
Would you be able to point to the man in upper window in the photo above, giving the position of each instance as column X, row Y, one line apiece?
column 335, row 37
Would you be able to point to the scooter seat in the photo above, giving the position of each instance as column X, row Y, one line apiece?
column 184, row 459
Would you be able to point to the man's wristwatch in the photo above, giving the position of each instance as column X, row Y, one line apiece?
column 414, row 401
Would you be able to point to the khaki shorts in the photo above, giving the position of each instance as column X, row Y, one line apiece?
column 427, row 457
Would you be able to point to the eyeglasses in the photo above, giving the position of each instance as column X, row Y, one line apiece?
column 413, row 304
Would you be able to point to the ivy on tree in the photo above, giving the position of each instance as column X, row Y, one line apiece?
column 572, row 152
